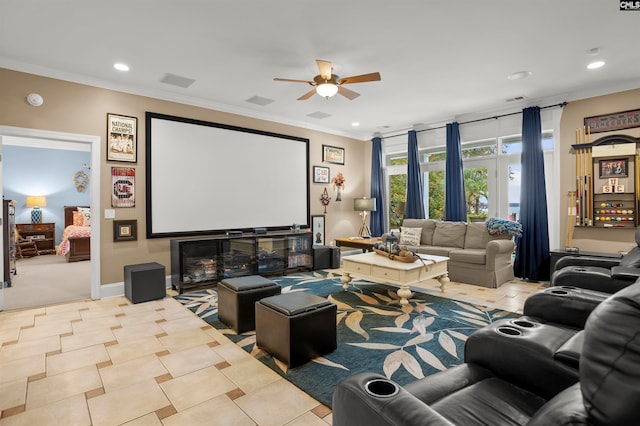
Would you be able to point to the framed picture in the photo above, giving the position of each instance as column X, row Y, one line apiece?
column 332, row 154
column 320, row 174
column 123, row 187
column 317, row 228
column 614, row 168
column 125, row 230
column 122, row 139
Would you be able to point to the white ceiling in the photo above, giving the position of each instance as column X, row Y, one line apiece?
column 439, row 60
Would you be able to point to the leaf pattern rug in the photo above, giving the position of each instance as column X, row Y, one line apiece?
column 375, row 332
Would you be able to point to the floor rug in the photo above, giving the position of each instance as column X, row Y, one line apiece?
column 375, row 332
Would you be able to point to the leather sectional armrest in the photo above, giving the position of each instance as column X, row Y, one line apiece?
column 625, row 273
column 596, row 261
column 568, row 306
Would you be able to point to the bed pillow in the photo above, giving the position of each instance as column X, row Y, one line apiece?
column 410, row 236
column 78, row 219
column 86, row 213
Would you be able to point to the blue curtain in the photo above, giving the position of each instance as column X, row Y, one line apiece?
column 532, row 249
column 455, row 203
column 377, row 188
column 415, row 207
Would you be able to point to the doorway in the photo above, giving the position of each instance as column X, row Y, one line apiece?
column 35, row 138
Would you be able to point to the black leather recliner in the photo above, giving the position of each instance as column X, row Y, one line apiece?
column 599, row 273
column 608, row 391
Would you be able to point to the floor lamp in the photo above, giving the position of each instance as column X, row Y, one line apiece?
column 364, row 206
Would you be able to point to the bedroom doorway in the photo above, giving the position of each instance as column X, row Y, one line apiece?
column 91, row 269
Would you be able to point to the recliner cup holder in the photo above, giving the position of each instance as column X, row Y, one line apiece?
column 580, row 269
column 381, row 388
column 509, row 331
column 524, row 323
column 559, row 292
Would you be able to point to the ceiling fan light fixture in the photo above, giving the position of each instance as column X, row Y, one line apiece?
column 327, row 90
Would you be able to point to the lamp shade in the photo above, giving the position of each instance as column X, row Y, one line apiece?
column 327, row 90
column 364, row 204
column 36, row 201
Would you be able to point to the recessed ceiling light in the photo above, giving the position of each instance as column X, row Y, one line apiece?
column 596, row 64
column 519, row 75
column 121, row 67
column 355, row 124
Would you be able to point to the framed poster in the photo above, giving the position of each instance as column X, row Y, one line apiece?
column 332, row 154
column 122, row 143
column 320, row 174
column 125, row 230
column 614, row 168
column 123, row 192
column 317, row 228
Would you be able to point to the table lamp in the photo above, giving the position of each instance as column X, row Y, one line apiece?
column 36, row 201
column 364, row 206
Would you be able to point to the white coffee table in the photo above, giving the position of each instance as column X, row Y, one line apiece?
column 376, row 267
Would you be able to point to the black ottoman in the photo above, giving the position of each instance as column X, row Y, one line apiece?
column 237, row 299
column 296, row 327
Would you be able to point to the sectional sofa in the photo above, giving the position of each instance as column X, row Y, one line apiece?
column 475, row 256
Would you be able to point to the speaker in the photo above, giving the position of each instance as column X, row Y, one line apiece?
column 144, row 282
column 326, row 257
column 334, row 257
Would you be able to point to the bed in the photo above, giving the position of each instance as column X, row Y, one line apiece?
column 76, row 241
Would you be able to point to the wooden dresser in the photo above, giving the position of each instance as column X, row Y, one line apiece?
column 44, row 234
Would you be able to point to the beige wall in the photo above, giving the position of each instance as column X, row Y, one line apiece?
column 76, row 108
column 592, row 239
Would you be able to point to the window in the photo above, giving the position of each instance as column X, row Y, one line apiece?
column 491, row 174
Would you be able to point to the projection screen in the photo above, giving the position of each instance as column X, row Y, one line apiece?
column 209, row 178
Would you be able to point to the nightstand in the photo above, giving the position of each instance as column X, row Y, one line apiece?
column 43, row 234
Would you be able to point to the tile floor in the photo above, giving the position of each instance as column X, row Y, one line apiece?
column 109, row 362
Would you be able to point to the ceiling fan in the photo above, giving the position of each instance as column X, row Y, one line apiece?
column 327, row 84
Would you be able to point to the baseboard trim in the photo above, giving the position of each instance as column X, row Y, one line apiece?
column 117, row 289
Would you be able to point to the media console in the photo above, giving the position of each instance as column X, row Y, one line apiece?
column 201, row 261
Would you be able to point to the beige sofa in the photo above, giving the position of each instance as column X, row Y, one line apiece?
column 475, row 256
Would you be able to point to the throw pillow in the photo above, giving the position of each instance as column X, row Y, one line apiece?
column 410, row 236
column 449, row 234
column 78, row 219
column 86, row 213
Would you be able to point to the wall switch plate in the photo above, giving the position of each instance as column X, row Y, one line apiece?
column 109, row 214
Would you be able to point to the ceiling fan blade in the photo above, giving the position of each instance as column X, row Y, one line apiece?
column 374, row 76
column 307, row 95
column 349, row 94
column 295, row 81
column 325, row 69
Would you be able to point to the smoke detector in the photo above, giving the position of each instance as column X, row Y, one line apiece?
column 35, row 99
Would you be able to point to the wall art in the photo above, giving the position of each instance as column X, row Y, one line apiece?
column 320, row 174
column 122, row 139
column 123, row 187
column 332, row 154
column 125, row 230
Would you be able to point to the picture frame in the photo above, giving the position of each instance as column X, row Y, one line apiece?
column 614, row 168
column 125, row 230
column 123, row 192
column 317, row 230
column 320, row 174
column 332, row 154
column 122, row 138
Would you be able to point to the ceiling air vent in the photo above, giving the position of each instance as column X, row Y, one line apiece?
column 177, row 80
column 319, row 115
column 517, row 98
column 259, row 100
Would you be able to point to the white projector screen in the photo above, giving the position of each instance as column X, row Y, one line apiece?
column 208, row 178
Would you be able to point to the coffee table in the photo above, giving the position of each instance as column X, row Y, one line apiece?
column 377, row 267
column 366, row 244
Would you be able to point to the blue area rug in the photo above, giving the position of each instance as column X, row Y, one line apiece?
column 375, row 332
